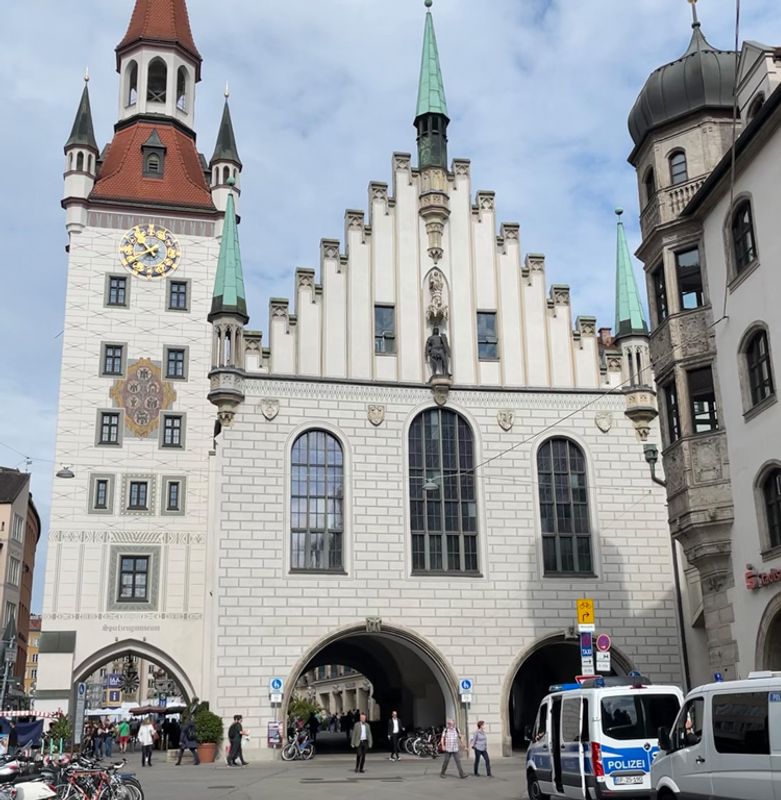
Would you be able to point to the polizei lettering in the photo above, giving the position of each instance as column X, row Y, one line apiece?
column 616, row 764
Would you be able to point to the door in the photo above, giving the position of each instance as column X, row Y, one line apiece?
column 775, row 741
column 572, row 761
column 540, row 746
column 740, row 757
column 687, row 764
column 556, row 745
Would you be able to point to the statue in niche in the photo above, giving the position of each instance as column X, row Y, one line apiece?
column 438, row 353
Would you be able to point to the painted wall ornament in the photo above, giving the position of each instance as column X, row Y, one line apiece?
column 269, row 408
column 505, row 417
column 143, row 395
column 604, row 421
column 376, row 415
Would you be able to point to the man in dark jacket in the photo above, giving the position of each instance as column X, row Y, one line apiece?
column 188, row 741
column 394, row 733
column 235, row 732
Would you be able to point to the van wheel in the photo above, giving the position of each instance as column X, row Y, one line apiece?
column 535, row 792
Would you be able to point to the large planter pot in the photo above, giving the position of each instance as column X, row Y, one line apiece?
column 207, row 752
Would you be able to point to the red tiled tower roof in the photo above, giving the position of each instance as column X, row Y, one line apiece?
column 182, row 183
column 165, row 21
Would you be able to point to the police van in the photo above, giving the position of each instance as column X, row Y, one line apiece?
column 597, row 738
column 725, row 743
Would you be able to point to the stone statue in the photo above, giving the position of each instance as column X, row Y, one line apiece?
column 438, row 353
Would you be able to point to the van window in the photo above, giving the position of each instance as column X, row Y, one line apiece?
column 585, row 735
column 541, row 725
column 570, row 719
column 688, row 728
column 740, row 723
column 635, row 716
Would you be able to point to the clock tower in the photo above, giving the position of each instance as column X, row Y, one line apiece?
column 128, row 542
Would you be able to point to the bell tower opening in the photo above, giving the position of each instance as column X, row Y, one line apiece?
column 157, row 80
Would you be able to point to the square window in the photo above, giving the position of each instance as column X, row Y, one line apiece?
column 385, row 329
column 487, row 341
column 101, row 493
column 687, row 264
column 177, row 296
column 173, row 431
column 117, row 291
column 133, row 574
column 173, row 494
column 109, row 428
column 112, row 362
column 175, row 363
column 702, row 397
column 138, row 496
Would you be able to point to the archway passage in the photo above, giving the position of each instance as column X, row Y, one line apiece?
column 551, row 663
column 396, row 672
column 773, row 644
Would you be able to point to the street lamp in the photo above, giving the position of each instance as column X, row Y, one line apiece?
column 651, row 453
column 66, row 472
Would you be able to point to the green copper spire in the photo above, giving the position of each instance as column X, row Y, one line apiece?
column 629, row 311
column 83, row 133
column 431, row 90
column 229, row 297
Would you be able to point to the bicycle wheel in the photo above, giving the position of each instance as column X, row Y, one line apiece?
column 133, row 786
column 409, row 744
column 289, row 752
column 307, row 752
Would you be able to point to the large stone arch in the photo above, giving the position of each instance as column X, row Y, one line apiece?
column 621, row 664
column 390, row 634
column 140, row 649
column 768, row 652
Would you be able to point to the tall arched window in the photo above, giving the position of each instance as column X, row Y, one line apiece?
column 80, row 162
column 132, row 83
column 317, row 502
column 226, row 173
column 744, row 247
column 564, row 514
column 771, row 492
column 157, row 80
column 758, row 367
column 649, row 182
column 181, row 89
column 679, row 172
column 443, row 503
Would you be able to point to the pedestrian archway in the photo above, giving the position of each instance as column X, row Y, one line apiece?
column 405, row 672
column 768, row 655
column 553, row 660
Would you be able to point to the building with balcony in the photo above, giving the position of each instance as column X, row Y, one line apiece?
column 705, row 129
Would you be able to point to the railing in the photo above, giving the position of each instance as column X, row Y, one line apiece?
column 667, row 204
column 680, row 195
column 649, row 216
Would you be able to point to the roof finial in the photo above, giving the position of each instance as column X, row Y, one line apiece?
column 227, row 90
column 695, row 20
column 428, row 3
column 619, row 212
column 86, row 75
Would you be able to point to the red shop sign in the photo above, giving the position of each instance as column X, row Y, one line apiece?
column 757, row 580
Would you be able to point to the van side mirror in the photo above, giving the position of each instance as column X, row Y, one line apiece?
column 527, row 733
column 664, row 740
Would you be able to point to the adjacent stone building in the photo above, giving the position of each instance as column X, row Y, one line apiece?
column 415, row 472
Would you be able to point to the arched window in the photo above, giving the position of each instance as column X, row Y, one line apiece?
column 181, row 89
column 157, row 79
column 649, row 183
column 317, row 502
column 89, row 164
column 758, row 367
column 564, row 514
column 771, row 493
column 80, row 162
column 756, row 106
column 743, row 240
column 678, row 170
column 443, row 503
column 132, row 83
column 226, row 173
column 70, row 160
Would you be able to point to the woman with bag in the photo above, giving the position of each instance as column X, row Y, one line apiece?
column 479, row 744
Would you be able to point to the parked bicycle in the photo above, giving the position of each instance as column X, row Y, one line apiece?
column 299, row 747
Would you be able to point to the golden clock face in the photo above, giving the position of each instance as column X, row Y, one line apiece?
column 149, row 251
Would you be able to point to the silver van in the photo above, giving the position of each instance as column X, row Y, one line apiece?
column 725, row 743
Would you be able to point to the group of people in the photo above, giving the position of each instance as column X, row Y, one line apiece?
column 100, row 737
column 450, row 744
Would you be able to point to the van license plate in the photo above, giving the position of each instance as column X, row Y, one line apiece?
column 627, row 780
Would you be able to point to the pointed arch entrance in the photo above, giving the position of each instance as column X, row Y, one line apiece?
column 768, row 653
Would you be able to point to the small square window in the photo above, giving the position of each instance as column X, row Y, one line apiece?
column 690, row 291
column 175, row 363
column 14, row 569
column 173, row 494
column 116, row 291
column 173, row 431
column 384, row 329
column 112, row 362
column 109, row 428
column 17, row 533
column 177, row 296
column 133, row 579
column 487, row 340
column 138, row 496
column 702, row 397
column 101, row 493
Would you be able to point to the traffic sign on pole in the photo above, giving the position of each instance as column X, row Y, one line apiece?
column 603, row 642
column 276, row 685
column 466, row 685
column 603, row 661
column 585, row 608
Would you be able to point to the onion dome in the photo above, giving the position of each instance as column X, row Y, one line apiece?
column 702, row 78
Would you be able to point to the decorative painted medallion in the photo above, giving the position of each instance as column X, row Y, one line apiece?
column 143, row 394
column 149, row 251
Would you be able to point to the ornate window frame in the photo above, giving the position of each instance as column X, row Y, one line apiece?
column 751, row 409
column 93, row 482
column 116, row 552
column 770, row 550
column 734, row 276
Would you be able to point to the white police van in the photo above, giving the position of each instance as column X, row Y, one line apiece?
column 725, row 743
column 596, row 739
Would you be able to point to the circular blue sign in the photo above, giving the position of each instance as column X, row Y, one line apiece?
column 276, row 684
column 466, row 685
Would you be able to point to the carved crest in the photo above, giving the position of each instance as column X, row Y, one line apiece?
column 269, row 407
column 143, row 394
column 505, row 417
column 373, row 624
column 376, row 415
column 440, row 392
column 604, row 421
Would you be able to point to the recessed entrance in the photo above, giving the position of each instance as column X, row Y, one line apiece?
column 768, row 654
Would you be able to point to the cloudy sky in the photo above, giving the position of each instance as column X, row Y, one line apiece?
column 322, row 93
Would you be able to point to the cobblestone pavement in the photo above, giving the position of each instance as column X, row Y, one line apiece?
column 331, row 777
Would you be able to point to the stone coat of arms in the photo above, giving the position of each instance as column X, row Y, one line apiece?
column 376, row 415
column 143, row 394
column 505, row 417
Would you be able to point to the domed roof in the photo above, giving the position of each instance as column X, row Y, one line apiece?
column 701, row 78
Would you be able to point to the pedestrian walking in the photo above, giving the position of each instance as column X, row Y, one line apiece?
column 394, row 732
column 188, row 741
column 361, row 742
column 108, row 742
column 235, row 732
column 146, row 738
column 479, row 744
column 451, row 744
column 123, row 734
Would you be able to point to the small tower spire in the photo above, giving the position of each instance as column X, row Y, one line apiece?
column 630, row 320
column 229, row 297
column 83, row 132
column 225, row 165
column 431, row 119
column 225, row 148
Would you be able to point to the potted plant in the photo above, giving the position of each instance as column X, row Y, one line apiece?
column 208, row 730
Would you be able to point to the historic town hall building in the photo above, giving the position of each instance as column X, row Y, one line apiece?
column 415, row 470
